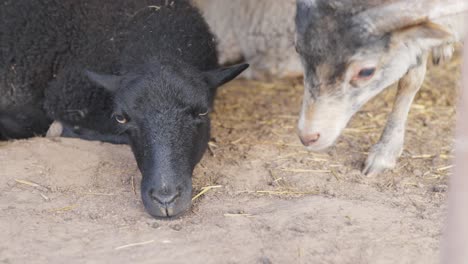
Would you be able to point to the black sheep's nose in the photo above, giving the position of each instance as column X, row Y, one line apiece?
column 165, row 195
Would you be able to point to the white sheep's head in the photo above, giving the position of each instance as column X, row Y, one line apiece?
column 352, row 50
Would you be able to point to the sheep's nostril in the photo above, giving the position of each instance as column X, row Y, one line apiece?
column 164, row 196
column 309, row 139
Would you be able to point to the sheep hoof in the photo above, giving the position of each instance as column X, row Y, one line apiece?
column 55, row 130
column 442, row 54
column 382, row 157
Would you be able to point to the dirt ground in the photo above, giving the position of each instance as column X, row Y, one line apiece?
column 267, row 200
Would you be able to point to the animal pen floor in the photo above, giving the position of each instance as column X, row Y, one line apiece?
column 266, row 199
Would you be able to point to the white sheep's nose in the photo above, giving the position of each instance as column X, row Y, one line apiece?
column 309, row 139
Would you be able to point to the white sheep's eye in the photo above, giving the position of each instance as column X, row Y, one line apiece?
column 120, row 119
column 365, row 73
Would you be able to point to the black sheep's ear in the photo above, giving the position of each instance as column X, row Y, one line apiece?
column 221, row 76
column 108, row 81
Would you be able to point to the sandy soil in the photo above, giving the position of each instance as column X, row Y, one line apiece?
column 272, row 202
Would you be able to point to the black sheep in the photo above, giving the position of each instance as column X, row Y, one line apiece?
column 161, row 76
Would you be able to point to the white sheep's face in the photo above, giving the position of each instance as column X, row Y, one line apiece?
column 345, row 66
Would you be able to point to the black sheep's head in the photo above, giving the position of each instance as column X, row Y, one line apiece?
column 163, row 108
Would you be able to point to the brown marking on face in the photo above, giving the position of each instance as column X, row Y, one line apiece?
column 309, row 110
column 329, row 81
column 324, row 71
column 309, row 114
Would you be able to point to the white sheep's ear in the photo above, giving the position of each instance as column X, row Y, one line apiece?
column 425, row 35
column 221, row 76
column 107, row 81
column 388, row 16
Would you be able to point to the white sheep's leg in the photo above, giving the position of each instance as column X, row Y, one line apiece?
column 385, row 153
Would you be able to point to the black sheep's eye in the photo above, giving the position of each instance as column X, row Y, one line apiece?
column 120, row 119
column 204, row 113
column 366, row 73
column 197, row 112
